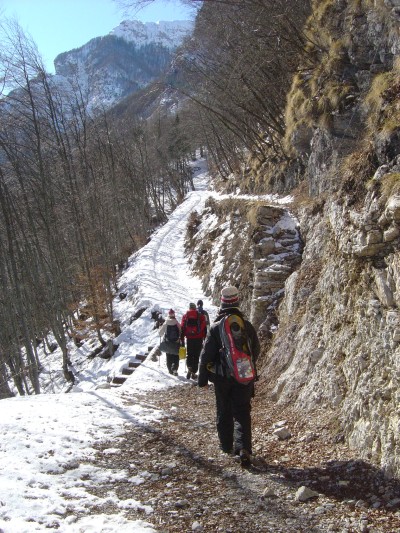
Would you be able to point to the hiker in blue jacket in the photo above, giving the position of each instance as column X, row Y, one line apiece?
column 233, row 399
column 171, row 332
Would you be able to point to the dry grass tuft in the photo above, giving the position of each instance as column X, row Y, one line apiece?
column 390, row 185
column 382, row 103
column 358, row 168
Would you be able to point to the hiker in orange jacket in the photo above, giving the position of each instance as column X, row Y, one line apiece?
column 194, row 328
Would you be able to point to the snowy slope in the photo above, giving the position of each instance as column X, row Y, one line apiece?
column 109, row 68
column 165, row 33
column 158, row 278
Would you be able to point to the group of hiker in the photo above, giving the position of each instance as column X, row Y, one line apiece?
column 225, row 354
column 193, row 327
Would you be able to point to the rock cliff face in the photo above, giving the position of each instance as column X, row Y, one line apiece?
column 338, row 339
column 337, row 344
column 220, row 251
column 276, row 251
column 332, row 320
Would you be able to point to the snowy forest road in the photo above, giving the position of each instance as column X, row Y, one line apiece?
column 169, row 257
column 163, row 277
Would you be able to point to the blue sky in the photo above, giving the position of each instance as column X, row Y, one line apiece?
column 60, row 25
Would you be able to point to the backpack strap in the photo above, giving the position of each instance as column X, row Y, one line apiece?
column 222, row 364
column 251, row 349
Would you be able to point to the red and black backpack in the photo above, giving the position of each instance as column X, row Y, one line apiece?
column 236, row 356
column 192, row 324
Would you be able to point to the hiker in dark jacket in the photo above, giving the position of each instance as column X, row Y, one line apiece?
column 194, row 328
column 233, row 399
column 201, row 310
column 170, row 324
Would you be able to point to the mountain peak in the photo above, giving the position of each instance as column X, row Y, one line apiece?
column 167, row 33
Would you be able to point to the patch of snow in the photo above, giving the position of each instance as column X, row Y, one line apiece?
column 165, row 33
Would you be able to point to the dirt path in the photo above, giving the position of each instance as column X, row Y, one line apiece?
column 192, row 486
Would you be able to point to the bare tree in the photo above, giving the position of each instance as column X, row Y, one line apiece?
column 236, row 69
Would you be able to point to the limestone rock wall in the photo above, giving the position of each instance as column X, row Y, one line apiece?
column 277, row 248
column 252, row 245
column 338, row 343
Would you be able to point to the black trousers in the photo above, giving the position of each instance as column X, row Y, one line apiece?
column 172, row 362
column 233, row 402
column 193, row 349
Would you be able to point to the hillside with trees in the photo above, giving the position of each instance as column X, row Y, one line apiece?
column 78, row 196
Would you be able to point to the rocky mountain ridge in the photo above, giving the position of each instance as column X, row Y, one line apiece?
column 170, row 34
column 130, row 57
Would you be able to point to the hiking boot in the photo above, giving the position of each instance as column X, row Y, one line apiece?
column 244, row 458
column 189, row 374
column 227, row 450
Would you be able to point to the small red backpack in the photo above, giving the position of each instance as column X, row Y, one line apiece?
column 192, row 324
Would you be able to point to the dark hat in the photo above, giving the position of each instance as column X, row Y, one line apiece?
column 192, row 306
column 200, row 303
column 229, row 297
column 171, row 312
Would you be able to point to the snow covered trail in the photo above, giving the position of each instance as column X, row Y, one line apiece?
column 173, row 281
column 158, row 276
column 162, row 270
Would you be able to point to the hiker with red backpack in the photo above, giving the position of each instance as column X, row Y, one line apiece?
column 228, row 360
column 194, row 328
column 170, row 333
